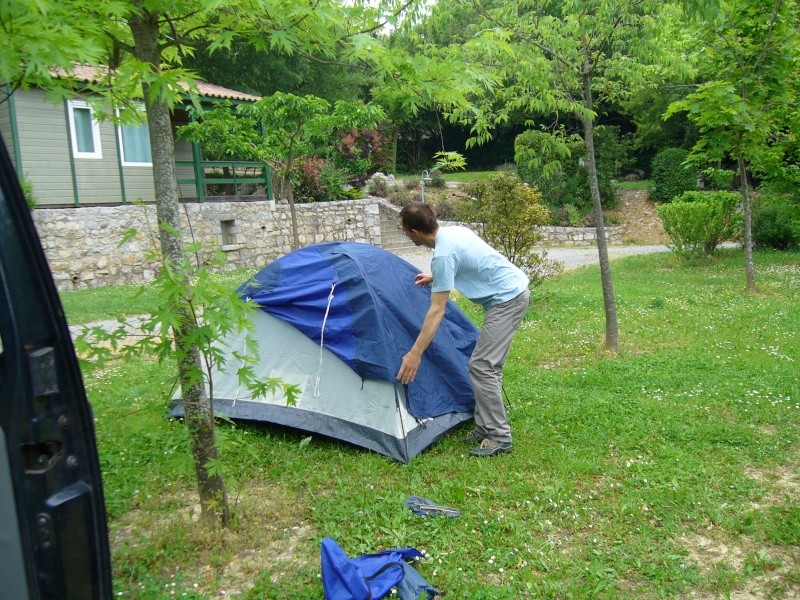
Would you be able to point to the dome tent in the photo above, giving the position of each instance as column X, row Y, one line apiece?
column 335, row 320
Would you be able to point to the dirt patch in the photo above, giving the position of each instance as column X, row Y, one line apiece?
column 710, row 554
column 781, row 482
column 267, row 532
column 637, row 214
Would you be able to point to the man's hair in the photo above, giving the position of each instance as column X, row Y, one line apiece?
column 419, row 216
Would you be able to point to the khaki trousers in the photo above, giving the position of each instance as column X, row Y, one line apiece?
column 500, row 323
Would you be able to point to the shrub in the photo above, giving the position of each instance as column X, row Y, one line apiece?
column 698, row 222
column 776, row 223
column 437, row 179
column 509, row 213
column 332, row 180
column 669, row 175
column 378, row 186
column 569, row 215
column 413, row 183
column 352, row 193
column 27, row 190
column 358, row 153
column 400, row 195
column 307, row 186
column 318, row 179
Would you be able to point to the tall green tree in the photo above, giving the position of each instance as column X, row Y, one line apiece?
column 147, row 42
column 573, row 57
column 746, row 108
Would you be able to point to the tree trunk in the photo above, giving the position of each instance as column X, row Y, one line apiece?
column 199, row 417
column 747, row 213
column 292, row 207
column 610, row 303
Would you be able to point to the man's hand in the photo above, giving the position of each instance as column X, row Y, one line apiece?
column 409, row 367
column 423, row 279
column 433, row 318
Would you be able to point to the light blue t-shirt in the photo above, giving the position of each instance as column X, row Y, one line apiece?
column 464, row 262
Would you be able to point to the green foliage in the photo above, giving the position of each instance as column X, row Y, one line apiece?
column 568, row 216
column 378, row 186
column 27, row 190
column 437, row 180
column 554, row 163
column 319, row 179
column 718, row 178
column 748, row 67
column 776, row 222
column 670, row 175
column 698, row 222
column 41, row 37
column 351, row 193
column 654, row 133
column 271, row 70
column 449, row 161
column 357, row 154
column 400, row 195
column 508, row 213
column 292, row 134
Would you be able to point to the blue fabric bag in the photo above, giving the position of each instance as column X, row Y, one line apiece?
column 370, row 576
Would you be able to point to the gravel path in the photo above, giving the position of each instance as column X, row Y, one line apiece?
column 572, row 258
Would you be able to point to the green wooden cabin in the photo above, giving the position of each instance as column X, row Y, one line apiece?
column 72, row 159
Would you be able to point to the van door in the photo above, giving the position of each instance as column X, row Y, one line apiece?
column 53, row 537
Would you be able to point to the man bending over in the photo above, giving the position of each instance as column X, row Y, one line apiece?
column 463, row 261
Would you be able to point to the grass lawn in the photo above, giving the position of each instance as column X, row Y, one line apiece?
column 634, row 185
column 670, row 470
column 459, row 176
column 465, row 176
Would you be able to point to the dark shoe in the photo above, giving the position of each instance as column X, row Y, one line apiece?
column 474, row 437
column 489, row 447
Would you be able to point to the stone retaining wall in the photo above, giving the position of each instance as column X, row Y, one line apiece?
column 580, row 236
column 85, row 247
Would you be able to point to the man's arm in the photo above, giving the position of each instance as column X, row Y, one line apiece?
column 411, row 361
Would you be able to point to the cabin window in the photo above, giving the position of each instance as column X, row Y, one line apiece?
column 84, row 130
column 134, row 143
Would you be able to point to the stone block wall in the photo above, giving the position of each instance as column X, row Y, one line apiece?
column 579, row 236
column 85, row 248
column 564, row 236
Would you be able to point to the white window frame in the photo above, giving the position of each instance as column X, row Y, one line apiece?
column 98, row 150
column 127, row 163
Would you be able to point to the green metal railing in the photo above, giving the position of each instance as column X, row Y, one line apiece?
column 225, row 173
